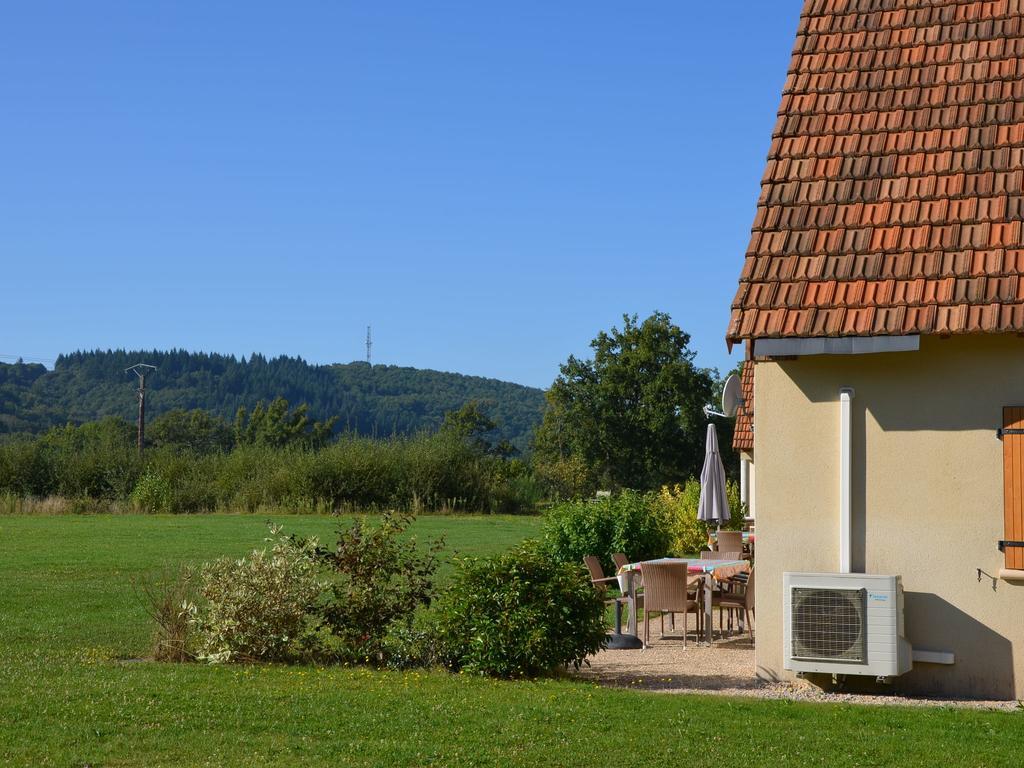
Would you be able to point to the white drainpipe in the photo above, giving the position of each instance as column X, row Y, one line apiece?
column 845, row 478
column 744, row 481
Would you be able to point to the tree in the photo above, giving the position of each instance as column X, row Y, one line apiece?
column 195, row 430
column 471, row 424
column 631, row 416
column 276, row 425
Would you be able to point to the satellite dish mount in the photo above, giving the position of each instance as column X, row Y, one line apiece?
column 732, row 400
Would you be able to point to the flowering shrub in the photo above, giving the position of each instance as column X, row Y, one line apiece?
column 255, row 608
column 520, row 614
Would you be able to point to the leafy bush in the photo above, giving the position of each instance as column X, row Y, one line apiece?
column 623, row 523
column 152, row 493
column 520, row 614
column 565, row 477
column 514, row 489
column 25, row 469
column 255, row 608
column 380, row 578
column 97, row 460
column 677, row 506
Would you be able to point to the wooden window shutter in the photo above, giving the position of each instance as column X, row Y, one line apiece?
column 1013, row 486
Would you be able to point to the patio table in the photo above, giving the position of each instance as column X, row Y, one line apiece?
column 712, row 571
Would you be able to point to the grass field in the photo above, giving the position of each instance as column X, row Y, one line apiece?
column 72, row 695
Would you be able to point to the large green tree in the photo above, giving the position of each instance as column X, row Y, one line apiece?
column 277, row 425
column 631, row 416
column 196, row 430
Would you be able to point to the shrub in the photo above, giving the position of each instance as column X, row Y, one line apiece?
column 99, row 461
column 677, row 506
column 624, row 523
column 520, row 614
column 380, row 578
column 565, row 477
column 24, row 468
column 189, row 478
column 255, row 608
column 152, row 493
column 244, row 475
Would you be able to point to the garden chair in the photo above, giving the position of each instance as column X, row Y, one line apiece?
column 601, row 582
column 723, row 587
column 667, row 589
column 597, row 577
column 621, row 561
column 739, row 601
column 730, row 541
column 722, row 555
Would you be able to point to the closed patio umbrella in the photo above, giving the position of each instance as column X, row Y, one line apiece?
column 714, row 505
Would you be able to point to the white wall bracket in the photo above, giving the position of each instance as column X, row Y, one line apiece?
column 920, row 655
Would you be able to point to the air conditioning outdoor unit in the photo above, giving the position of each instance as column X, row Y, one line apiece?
column 844, row 624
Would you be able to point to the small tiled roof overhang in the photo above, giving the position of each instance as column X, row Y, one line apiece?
column 894, row 191
column 743, row 433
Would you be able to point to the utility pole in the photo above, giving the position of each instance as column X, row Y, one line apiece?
column 369, row 344
column 141, row 370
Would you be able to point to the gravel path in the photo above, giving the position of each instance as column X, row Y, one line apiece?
column 728, row 669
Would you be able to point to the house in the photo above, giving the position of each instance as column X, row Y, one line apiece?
column 881, row 306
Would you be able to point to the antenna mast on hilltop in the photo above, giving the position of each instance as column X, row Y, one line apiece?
column 369, row 344
column 141, row 370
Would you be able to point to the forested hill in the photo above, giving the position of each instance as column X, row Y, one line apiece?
column 379, row 400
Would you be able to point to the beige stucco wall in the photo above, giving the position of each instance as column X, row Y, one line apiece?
column 927, row 498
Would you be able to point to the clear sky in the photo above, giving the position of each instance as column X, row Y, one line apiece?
column 486, row 184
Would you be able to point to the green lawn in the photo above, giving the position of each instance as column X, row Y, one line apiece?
column 69, row 694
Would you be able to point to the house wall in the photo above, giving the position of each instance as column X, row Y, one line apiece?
column 927, row 498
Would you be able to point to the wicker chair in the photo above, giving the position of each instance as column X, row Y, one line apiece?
column 597, row 577
column 743, row 601
column 722, row 555
column 667, row 588
column 601, row 582
column 725, row 587
column 621, row 561
column 730, row 541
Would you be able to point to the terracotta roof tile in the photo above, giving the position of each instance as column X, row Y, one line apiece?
column 858, row 322
column 893, row 195
column 743, row 433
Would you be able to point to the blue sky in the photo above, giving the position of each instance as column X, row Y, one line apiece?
column 487, row 185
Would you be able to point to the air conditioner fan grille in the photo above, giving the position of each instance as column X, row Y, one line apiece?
column 829, row 624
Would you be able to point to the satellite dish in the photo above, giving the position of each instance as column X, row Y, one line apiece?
column 732, row 397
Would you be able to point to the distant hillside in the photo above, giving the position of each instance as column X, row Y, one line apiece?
column 379, row 400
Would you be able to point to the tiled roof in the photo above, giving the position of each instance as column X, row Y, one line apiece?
column 894, row 191
column 743, row 433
